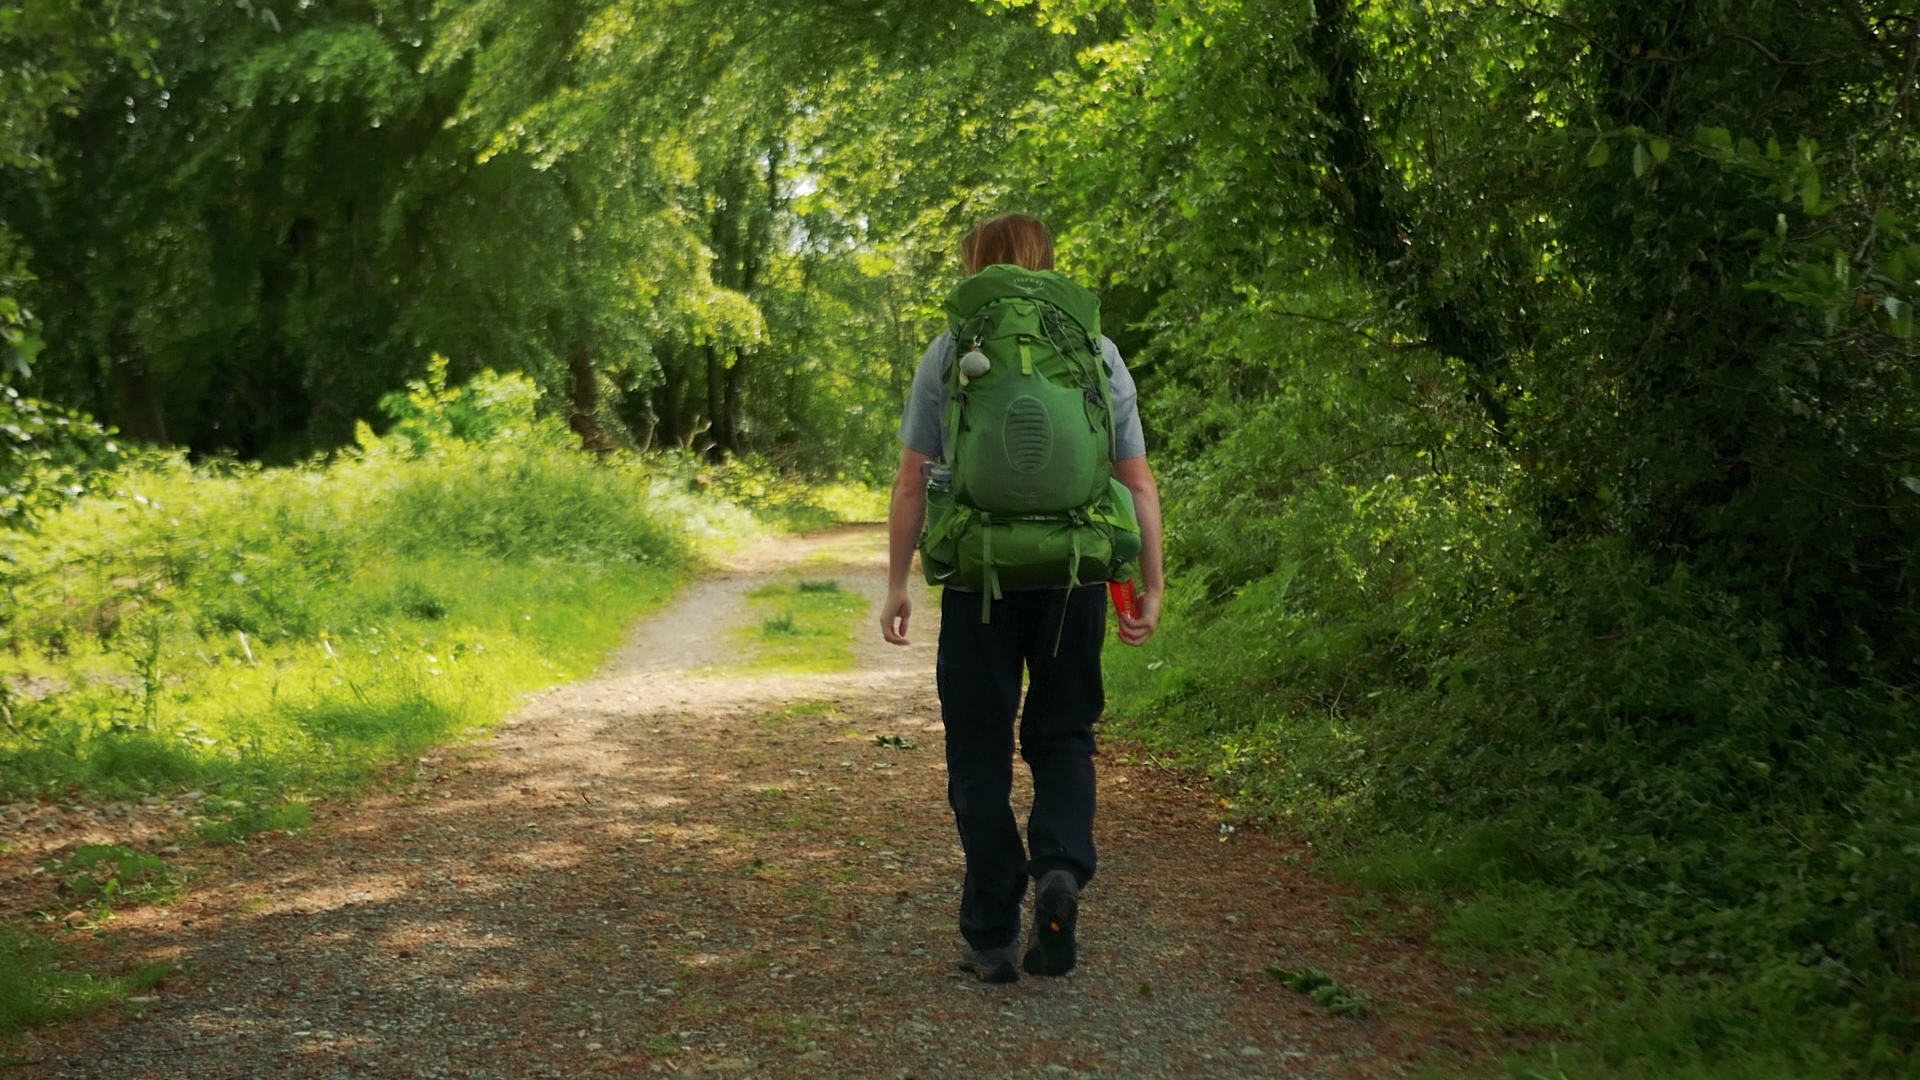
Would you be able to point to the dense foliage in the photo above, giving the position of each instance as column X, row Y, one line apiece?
column 239, row 238
column 1533, row 385
column 1539, row 391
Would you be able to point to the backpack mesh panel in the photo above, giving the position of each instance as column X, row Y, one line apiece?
column 1028, row 432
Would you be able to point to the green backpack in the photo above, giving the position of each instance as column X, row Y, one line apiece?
column 1032, row 503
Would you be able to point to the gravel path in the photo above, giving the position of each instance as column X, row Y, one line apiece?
column 670, row 868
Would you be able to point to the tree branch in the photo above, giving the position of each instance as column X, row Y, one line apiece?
column 1393, row 346
column 1366, row 195
column 1867, row 33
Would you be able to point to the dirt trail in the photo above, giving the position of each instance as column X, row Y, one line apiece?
column 674, row 869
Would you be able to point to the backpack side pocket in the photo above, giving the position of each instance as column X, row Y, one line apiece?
column 940, row 538
column 1115, row 514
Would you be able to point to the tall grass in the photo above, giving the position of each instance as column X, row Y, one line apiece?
column 285, row 633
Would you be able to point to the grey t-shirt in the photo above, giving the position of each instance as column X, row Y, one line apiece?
column 922, row 428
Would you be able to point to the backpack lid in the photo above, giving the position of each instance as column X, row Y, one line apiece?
column 1004, row 281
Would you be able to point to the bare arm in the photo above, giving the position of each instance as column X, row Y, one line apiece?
column 905, row 516
column 1134, row 473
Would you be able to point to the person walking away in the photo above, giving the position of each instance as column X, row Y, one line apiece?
column 1025, row 592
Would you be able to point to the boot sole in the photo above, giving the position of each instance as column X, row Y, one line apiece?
column 1055, row 911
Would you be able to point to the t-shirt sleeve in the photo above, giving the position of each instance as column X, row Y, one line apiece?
column 1129, row 440
column 921, row 425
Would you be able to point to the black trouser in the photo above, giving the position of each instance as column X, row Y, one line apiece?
column 979, row 680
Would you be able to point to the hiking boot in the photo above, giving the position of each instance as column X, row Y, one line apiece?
column 991, row 965
column 1056, row 907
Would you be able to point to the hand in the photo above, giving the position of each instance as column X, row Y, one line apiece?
column 1136, row 631
column 893, row 616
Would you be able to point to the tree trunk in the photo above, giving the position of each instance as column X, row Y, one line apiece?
column 141, row 417
column 1368, row 200
column 717, row 406
column 671, row 423
column 736, row 385
column 583, row 402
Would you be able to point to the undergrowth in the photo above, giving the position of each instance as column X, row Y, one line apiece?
column 262, row 635
column 37, row 988
column 1657, row 835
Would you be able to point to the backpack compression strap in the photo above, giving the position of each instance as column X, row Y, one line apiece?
column 990, row 577
column 1073, row 583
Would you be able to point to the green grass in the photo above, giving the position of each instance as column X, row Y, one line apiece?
column 109, row 874
column 38, row 988
column 776, row 720
column 793, row 505
column 805, row 626
column 310, row 716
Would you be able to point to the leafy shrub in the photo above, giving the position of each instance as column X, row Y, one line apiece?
column 487, row 409
column 1665, row 831
column 47, row 454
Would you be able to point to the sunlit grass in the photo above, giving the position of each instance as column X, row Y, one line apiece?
column 306, row 716
column 805, row 626
column 276, row 636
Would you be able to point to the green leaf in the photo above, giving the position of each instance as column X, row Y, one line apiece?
column 1597, row 156
column 19, row 354
column 1912, row 483
column 1810, row 191
column 1641, row 160
column 1718, row 138
column 1661, row 148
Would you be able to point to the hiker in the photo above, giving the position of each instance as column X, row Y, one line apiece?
column 1028, row 591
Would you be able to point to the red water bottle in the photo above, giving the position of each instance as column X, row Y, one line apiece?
column 1124, row 601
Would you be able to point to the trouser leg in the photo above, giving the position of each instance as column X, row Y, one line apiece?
column 1064, row 698
column 978, row 676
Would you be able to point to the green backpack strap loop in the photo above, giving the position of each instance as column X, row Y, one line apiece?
column 1073, row 583
column 955, row 403
column 1104, row 376
column 990, row 585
